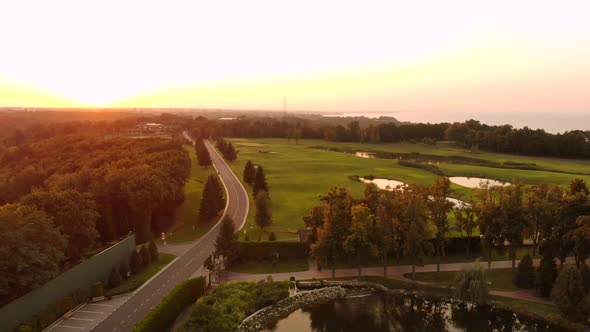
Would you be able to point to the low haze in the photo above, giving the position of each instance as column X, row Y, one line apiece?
column 496, row 56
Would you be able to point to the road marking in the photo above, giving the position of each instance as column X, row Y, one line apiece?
column 91, row 312
column 71, row 327
column 102, row 305
column 129, row 316
column 135, row 310
column 187, row 264
column 84, row 319
column 122, row 322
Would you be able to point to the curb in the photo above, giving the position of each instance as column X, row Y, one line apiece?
column 154, row 276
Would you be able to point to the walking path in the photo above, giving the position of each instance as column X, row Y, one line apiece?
column 397, row 273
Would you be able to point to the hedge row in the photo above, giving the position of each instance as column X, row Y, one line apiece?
column 252, row 250
column 165, row 313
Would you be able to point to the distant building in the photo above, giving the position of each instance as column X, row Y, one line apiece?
column 152, row 127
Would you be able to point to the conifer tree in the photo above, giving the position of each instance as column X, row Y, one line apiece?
column 263, row 215
column 212, row 201
column 259, row 182
column 249, row 172
column 203, row 156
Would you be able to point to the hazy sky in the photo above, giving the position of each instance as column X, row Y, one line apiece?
column 323, row 55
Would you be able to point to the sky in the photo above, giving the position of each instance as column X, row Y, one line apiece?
column 497, row 56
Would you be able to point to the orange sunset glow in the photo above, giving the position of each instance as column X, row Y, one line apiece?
column 333, row 55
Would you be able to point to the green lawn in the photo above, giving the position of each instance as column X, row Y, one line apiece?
column 499, row 279
column 137, row 280
column 187, row 228
column 266, row 267
column 297, row 173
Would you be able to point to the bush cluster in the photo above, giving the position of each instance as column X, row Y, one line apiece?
column 229, row 304
column 165, row 313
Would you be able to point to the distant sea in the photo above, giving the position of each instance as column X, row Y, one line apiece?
column 553, row 122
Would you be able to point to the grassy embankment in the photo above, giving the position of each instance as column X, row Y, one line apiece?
column 139, row 279
column 298, row 173
column 187, row 228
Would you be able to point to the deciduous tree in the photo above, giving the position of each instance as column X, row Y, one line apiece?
column 73, row 212
column 358, row 242
column 31, row 247
column 439, row 207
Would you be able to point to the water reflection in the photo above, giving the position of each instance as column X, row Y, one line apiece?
column 380, row 312
column 367, row 155
column 476, row 182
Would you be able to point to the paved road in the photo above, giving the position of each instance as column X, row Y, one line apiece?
column 146, row 298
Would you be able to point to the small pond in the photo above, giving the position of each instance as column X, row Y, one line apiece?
column 384, row 184
column 382, row 312
column 367, row 155
column 387, row 184
column 476, row 182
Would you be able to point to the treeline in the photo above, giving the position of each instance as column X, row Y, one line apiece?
column 301, row 128
column 65, row 196
column 227, row 149
column 385, row 223
column 506, row 139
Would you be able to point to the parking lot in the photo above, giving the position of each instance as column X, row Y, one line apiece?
column 86, row 317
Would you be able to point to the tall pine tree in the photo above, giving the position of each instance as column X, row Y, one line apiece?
column 259, row 182
column 202, row 153
column 249, row 172
column 212, row 201
column 226, row 241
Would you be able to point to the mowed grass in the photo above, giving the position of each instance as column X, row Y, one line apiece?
column 579, row 166
column 187, row 227
column 298, row 174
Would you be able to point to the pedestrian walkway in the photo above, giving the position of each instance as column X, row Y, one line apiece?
column 397, row 273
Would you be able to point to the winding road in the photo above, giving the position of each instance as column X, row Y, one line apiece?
column 150, row 294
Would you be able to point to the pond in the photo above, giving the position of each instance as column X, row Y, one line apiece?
column 384, row 184
column 367, row 155
column 382, row 312
column 476, row 182
column 387, row 184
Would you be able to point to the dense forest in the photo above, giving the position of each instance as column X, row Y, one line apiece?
column 63, row 197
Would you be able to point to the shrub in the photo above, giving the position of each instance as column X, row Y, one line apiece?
column 525, row 273
column 98, row 289
column 272, row 236
column 568, row 291
column 228, row 304
column 115, row 278
column 154, row 254
column 545, row 276
column 263, row 250
column 145, row 256
column 135, row 262
column 472, row 284
column 124, row 270
column 164, row 314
